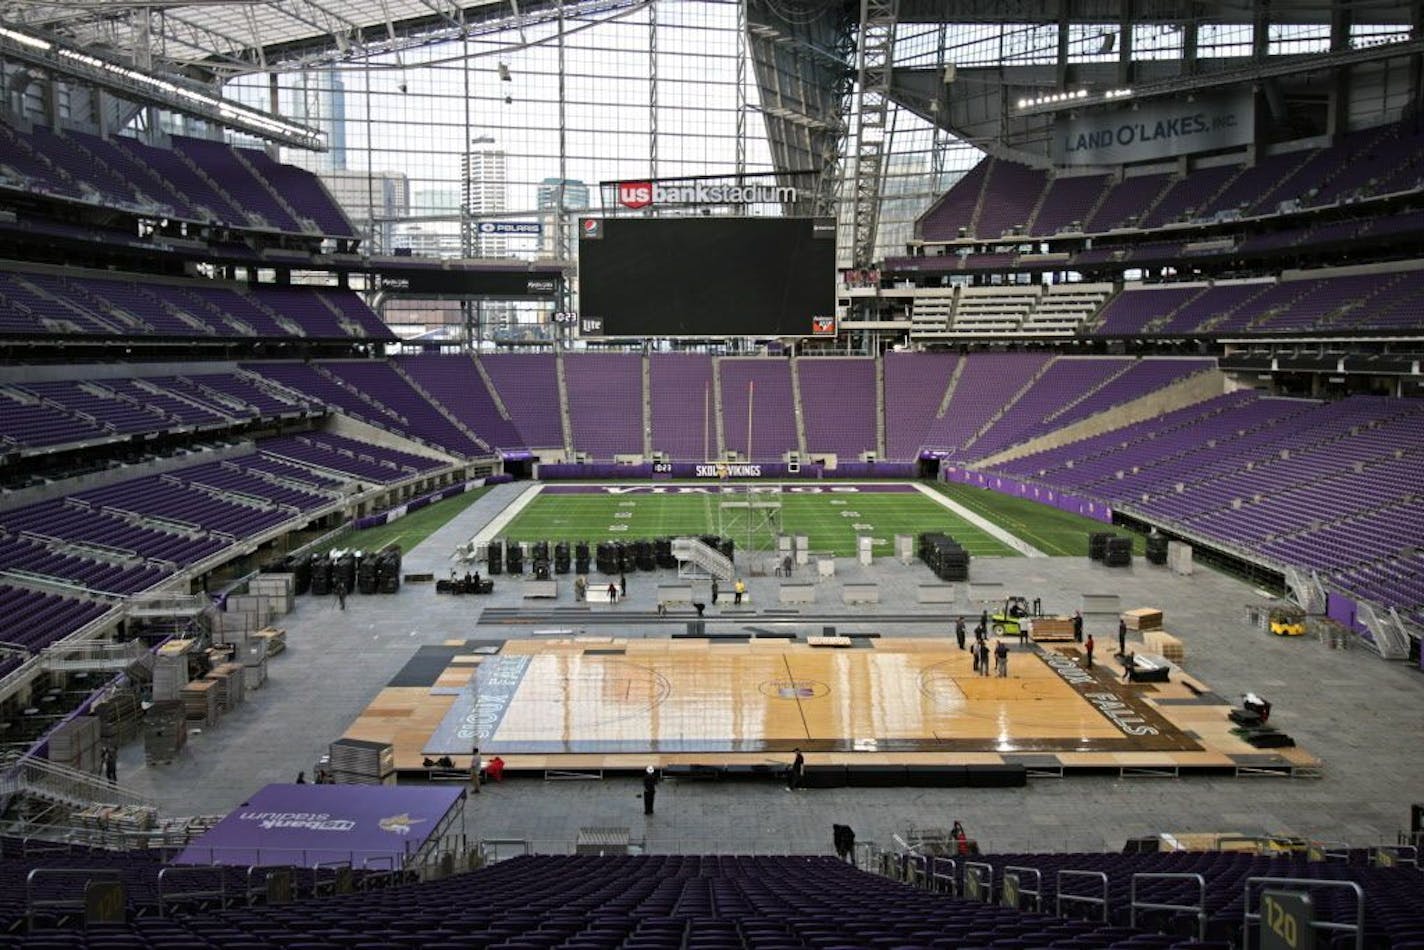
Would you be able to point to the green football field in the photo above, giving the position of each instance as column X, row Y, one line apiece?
column 832, row 520
column 1055, row 533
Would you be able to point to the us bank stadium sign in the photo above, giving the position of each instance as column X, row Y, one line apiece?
column 635, row 195
column 787, row 190
column 1154, row 130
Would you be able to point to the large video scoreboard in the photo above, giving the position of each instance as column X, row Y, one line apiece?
column 707, row 276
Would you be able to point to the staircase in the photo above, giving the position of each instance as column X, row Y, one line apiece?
column 880, row 407
column 491, row 388
column 1382, row 291
column 796, row 404
column 440, row 407
column 979, row 204
column 949, row 390
column 1009, row 404
column 281, row 319
column 647, row 405
column 198, row 326
column 1126, row 368
column 1211, row 323
column 276, row 390
column 83, row 314
column 352, row 328
column 62, row 785
column 1391, row 635
column 717, row 406
column 267, row 187
column 1038, row 207
column 1157, row 323
column 566, row 422
column 1261, row 319
column 1152, row 205
column 696, row 559
column 222, row 317
column 1102, row 199
column 196, row 169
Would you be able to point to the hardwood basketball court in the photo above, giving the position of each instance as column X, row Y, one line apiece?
column 596, row 703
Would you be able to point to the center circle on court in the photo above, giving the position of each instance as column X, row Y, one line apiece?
column 794, row 689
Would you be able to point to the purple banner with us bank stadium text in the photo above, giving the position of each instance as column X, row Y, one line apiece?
column 307, row 825
column 1005, row 485
column 828, row 488
column 730, row 471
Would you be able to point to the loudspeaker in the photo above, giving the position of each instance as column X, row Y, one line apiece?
column 1416, row 819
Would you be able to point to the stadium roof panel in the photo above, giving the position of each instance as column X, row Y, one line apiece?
column 243, row 35
column 1144, row 11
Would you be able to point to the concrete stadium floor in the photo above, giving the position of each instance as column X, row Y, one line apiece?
column 1364, row 717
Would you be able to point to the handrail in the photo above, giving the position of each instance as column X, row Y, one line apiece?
column 386, row 875
column 1358, row 927
column 1199, row 907
column 263, row 873
column 491, row 846
column 1082, row 898
column 1398, row 855
column 940, row 881
column 984, row 875
column 335, row 882
column 60, row 903
column 1036, row 892
column 917, row 872
column 178, row 897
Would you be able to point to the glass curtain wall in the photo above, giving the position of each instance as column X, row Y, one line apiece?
column 433, row 147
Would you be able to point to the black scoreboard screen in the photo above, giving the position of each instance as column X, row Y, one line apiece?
column 706, row 276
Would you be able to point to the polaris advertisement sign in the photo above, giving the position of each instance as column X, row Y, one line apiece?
column 636, row 195
column 1155, row 130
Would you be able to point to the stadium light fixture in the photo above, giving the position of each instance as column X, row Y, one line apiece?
column 1393, row 47
column 25, row 39
column 136, row 85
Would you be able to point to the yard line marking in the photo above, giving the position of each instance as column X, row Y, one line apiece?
column 983, row 524
column 500, row 521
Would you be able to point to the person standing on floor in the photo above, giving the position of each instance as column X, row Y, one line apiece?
column 341, row 594
column 738, row 590
column 650, row 789
column 959, row 631
column 622, row 586
column 983, row 657
column 1088, row 646
column 1001, row 658
column 715, row 590
column 475, row 770
column 1078, row 625
column 1121, row 636
column 612, row 593
column 110, row 758
column 796, row 772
